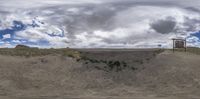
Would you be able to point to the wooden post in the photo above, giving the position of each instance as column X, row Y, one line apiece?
column 185, row 45
column 173, row 45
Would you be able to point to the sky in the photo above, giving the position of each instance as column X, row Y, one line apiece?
column 99, row 23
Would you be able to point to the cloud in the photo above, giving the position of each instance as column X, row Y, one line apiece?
column 6, row 36
column 100, row 23
column 164, row 26
column 13, row 4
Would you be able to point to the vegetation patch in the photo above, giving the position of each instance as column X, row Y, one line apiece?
column 22, row 50
column 194, row 50
column 110, row 65
column 115, row 64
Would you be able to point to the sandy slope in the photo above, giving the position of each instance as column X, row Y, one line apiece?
column 174, row 74
column 166, row 76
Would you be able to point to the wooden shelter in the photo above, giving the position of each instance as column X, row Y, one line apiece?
column 179, row 43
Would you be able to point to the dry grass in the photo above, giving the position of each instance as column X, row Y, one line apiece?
column 31, row 52
column 160, row 75
column 194, row 50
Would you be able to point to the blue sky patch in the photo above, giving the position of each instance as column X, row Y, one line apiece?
column 17, row 26
column 197, row 34
column 20, row 26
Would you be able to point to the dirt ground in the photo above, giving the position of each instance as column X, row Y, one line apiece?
column 127, row 74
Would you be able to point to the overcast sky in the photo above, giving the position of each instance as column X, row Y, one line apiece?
column 99, row 23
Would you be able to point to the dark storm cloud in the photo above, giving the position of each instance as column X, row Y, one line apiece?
column 164, row 26
column 98, row 19
column 193, row 9
column 4, row 12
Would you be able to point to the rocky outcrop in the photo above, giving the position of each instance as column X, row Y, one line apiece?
column 21, row 46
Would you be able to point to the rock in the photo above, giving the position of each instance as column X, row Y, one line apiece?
column 21, row 46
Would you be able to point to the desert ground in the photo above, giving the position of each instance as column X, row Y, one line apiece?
column 99, row 74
